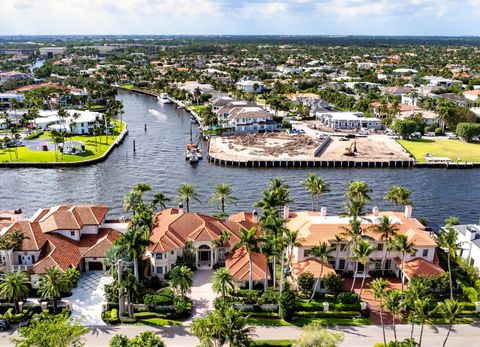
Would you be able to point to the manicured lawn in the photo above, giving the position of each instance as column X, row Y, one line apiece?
column 127, row 86
column 304, row 321
column 153, row 318
column 95, row 146
column 452, row 149
column 281, row 343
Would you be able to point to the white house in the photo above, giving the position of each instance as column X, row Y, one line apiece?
column 473, row 95
column 7, row 98
column 469, row 237
column 78, row 122
column 251, row 86
column 440, row 81
column 348, row 120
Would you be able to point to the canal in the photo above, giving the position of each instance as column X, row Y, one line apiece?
column 159, row 161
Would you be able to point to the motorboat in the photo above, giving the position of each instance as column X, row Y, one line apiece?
column 163, row 98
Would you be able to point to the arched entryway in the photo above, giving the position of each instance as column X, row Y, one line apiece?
column 204, row 257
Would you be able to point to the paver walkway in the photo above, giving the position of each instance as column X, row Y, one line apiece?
column 202, row 294
column 87, row 298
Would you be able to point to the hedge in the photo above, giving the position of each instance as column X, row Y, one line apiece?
column 329, row 314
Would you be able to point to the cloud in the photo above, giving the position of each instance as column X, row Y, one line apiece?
column 412, row 17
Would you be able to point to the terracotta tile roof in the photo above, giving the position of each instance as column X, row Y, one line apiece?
column 312, row 265
column 238, row 265
column 172, row 229
column 68, row 217
column 420, row 266
column 313, row 228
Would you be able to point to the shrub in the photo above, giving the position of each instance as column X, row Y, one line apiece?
column 435, row 283
column 468, row 131
column 347, row 298
column 111, row 292
column 287, row 303
column 164, row 297
column 438, row 131
column 16, row 318
column 270, row 296
column 345, row 307
column 404, row 128
column 127, row 320
column 305, row 282
column 430, row 128
column 332, row 282
column 119, row 341
column 247, row 296
column 404, row 343
column 470, row 293
column 183, row 308
column 35, row 135
column 329, row 314
column 114, row 314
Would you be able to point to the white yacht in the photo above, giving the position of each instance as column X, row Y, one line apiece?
column 163, row 98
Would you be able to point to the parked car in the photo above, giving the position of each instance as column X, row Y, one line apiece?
column 350, row 136
column 452, row 137
column 4, row 325
column 416, row 135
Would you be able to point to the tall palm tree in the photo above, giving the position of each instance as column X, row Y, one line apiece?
column 186, row 193
column 448, row 240
column 53, row 284
column 181, row 278
column 249, row 240
column 130, row 286
column 267, row 248
column 361, row 253
column 400, row 244
column 450, row 310
column 134, row 243
column 415, row 291
column 316, row 187
column 378, row 288
column 291, row 240
column 352, row 233
column 399, row 196
column 14, row 287
column 222, row 282
column 393, row 303
column 422, row 313
column 221, row 194
column 159, row 198
column 320, row 251
column 358, row 190
column 387, row 231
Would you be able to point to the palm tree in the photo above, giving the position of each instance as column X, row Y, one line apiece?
column 400, row 244
column 352, row 233
column 134, row 243
column 450, row 310
column 222, row 282
column 387, row 231
column 249, row 240
column 393, row 303
column 161, row 199
column 53, row 284
column 130, row 286
column 378, row 288
column 422, row 313
column 361, row 253
column 187, row 192
column 415, row 291
column 448, row 241
column 235, row 327
column 222, row 193
column 267, row 248
column 399, row 196
column 181, row 278
column 14, row 287
column 291, row 240
column 320, row 251
column 316, row 187
column 358, row 190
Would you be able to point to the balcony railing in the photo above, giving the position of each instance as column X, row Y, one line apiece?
column 21, row 267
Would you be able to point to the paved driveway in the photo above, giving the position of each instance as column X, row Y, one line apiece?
column 87, row 298
column 202, row 294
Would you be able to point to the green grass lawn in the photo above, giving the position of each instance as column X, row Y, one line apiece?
column 94, row 148
column 307, row 320
column 153, row 318
column 452, row 149
column 127, row 86
column 281, row 343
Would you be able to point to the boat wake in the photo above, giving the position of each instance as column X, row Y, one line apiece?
column 157, row 114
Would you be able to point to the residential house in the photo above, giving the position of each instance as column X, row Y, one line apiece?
column 78, row 122
column 441, row 82
column 249, row 86
column 6, row 99
column 76, row 236
column 469, row 238
column 348, row 120
column 473, row 95
column 317, row 227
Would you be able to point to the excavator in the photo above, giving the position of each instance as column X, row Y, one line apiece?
column 351, row 150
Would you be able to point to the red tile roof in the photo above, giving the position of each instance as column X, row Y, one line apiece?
column 419, row 267
column 238, row 264
column 312, row 265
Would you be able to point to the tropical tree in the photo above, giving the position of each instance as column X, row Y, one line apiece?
column 316, row 187
column 448, row 240
column 290, row 240
column 222, row 193
column 415, row 291
column 134, row 243
column 249, row 240
column 379, row 286
column 130, row 286
column 181, row 278
column 400, row 244
column 222, row 282
column 422, row 312
column 14, row 287
column 387, row 231
column 315, row 335
column 53, row 284
column 358, row 190
column 450, row 310
column 399, row 196
column 321, row 252
column 361, row 253
column 267, row 248
column 186, row 193
column 393, row 303
column 160, row 199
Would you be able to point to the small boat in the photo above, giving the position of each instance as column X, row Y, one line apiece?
column 193, row 152
column 163, row 98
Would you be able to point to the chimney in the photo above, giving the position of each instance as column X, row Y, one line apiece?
column 471, row 232
column 323, row 211
column 254, row 216
column 376, row 211
column 408, row 211
column 286, row 212
column 180, row 208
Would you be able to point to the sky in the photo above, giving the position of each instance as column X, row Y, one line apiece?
column 244, row 17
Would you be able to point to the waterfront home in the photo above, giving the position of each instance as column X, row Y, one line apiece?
column 76, row 236
column 428, row 117
column 191, row 86
column 347, row 120
column 469, row 238
column 6, row 99
column 78, row 122
column 249, row 86
column 316, row 227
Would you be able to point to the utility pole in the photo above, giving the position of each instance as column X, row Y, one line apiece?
column 121, row 297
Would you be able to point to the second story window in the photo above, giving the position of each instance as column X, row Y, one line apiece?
column 425, row 253
column 72, row 233
column 306, row 252
column 343, row 247
column 380, row 247
column 158, row 256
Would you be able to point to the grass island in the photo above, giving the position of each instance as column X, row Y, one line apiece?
column 453, row 149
